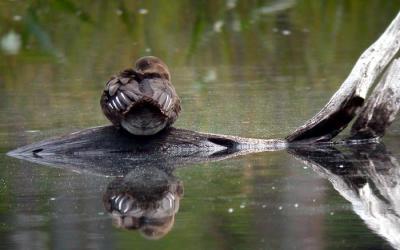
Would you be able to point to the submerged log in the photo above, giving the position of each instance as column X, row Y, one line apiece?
column 108, row 151
column 107, row 140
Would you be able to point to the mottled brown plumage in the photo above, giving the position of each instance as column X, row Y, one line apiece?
column 141, row 100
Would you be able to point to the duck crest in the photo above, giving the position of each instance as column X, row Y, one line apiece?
column 142, row 100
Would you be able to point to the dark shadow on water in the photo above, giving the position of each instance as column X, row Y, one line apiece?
column 368, row 177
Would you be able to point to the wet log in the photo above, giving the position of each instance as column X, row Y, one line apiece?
column 108, row 151
column 344, row 104
column 381, row 108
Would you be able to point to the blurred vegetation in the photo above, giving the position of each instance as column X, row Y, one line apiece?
column 240, row 50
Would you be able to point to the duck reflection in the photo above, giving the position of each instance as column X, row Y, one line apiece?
column 367, row 176
column 146, row 199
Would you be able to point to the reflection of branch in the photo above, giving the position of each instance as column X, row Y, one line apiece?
column 368, row 177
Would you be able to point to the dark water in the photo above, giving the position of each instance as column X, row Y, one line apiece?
column 248, row 68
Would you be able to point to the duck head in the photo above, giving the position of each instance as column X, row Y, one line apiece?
column 153, row 67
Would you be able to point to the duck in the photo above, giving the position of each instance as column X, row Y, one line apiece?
column 141, row 100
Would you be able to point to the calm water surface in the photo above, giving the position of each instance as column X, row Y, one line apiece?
column 248, row 68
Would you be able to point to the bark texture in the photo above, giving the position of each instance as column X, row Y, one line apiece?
column 343, row 105
column 381, row 108
column 109, row 151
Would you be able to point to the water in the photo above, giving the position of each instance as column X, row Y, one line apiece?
column 254, row 68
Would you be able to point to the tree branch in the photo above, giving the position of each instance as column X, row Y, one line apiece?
column 381, row 107
column 343, row 105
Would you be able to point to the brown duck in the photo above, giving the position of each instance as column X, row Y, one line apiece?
column 141, row 100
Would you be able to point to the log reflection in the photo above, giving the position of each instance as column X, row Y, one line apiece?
column 368, row 176
column 146, row 199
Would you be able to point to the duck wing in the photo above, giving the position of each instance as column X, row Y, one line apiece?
column 161, row 92
column 130, row 89
column 120, row 94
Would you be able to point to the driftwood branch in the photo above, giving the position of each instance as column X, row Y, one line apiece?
column 382, row 106
column 343, row 105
